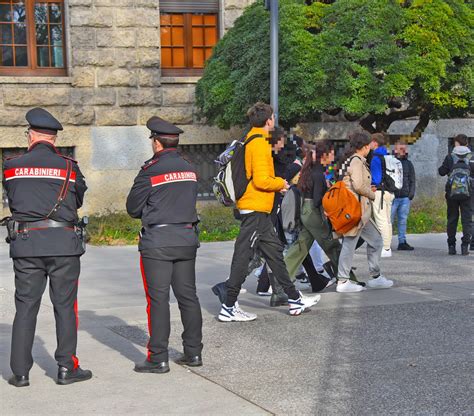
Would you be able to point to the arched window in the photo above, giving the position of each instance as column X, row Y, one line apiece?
column 32, row 38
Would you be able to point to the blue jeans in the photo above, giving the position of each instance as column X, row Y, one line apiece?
column 400, row 210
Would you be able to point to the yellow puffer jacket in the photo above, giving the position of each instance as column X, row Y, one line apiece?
column 261, row 190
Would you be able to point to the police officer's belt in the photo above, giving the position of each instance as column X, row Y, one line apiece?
column 25, row 226
column 184, row 224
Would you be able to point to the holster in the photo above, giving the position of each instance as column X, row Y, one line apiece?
column 196, row 230
column 12, row 228
column 81, row 232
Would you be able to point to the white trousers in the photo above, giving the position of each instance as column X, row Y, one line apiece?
column 383, row 216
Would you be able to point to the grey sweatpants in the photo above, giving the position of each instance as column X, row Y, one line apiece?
column 374, row 241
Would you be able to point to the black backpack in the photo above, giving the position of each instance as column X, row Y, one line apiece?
column 459, row 180
column 231, row 180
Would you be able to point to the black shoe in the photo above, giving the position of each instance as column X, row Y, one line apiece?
column 220, row 290
column 66, row 376
column 405, row 247
column 452, row 250
column 303, row 277
column 195, row 361
column 149, row 367
column 465, row 249
column 19, row 381
column 279, row 300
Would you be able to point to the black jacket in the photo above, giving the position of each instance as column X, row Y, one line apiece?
column 165, row 192
column 319, row 185
column 409, row 180
column 33, row 183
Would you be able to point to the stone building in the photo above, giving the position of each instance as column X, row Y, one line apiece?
column 103, row 67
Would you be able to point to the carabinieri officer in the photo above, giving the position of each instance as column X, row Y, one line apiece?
column 44, row 190
column 163, row 196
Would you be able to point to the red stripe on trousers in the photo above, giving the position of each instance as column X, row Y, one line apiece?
column 75, row 360
column 148, row 301
column 77, row 314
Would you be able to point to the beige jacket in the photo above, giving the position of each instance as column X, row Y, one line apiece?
column 358, row 179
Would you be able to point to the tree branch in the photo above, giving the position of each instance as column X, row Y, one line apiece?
column 367, row 121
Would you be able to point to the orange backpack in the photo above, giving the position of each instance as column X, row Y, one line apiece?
column 342, row 208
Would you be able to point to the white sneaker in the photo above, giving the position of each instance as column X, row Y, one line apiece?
column 386, row 252
column 349, row 287
column 267, row 293
column 242, row 291
column 235, row 314
column 298, row 306
column 380, row 282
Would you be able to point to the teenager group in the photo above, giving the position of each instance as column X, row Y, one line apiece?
column 260, row 212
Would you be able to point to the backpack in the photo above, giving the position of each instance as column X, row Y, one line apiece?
column 459, row 182
column 392, row 173
column 231, row 180
column 342, row 208
column 290, row 210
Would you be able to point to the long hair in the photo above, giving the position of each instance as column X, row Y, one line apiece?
column 357, row 140
column 323, row 147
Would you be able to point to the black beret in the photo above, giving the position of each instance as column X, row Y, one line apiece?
column 39, row 118
column 159, row 126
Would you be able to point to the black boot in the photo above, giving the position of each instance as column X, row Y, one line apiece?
column 195, row 361
column 66, row 376
column 465, row 249
column 149, row 367
column 452, row 250
column 279, row 297
column 19, row 381
column 220, row 290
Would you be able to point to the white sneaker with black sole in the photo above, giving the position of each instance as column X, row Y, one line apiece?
column 349, row 287
column 303, row 303
column 235, row 314
column 380, row 282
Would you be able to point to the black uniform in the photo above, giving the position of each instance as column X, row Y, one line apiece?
column 164, row 197
column 47, row 244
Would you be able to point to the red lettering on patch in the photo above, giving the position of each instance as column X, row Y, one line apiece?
column 173, row 177
column 38, row 173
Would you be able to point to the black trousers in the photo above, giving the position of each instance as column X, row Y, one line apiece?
column 30, row 282
column 257, row 229
column 175, row 267
column 454, row 208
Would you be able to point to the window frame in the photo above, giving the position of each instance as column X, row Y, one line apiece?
column 31, row 47
column 188, row 42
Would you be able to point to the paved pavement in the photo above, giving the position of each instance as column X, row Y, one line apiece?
column 407, row 350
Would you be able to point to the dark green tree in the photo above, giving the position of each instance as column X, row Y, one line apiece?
column 374, row 60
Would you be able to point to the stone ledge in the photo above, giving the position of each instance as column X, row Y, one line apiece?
column 35, row 80
column 180, row 80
